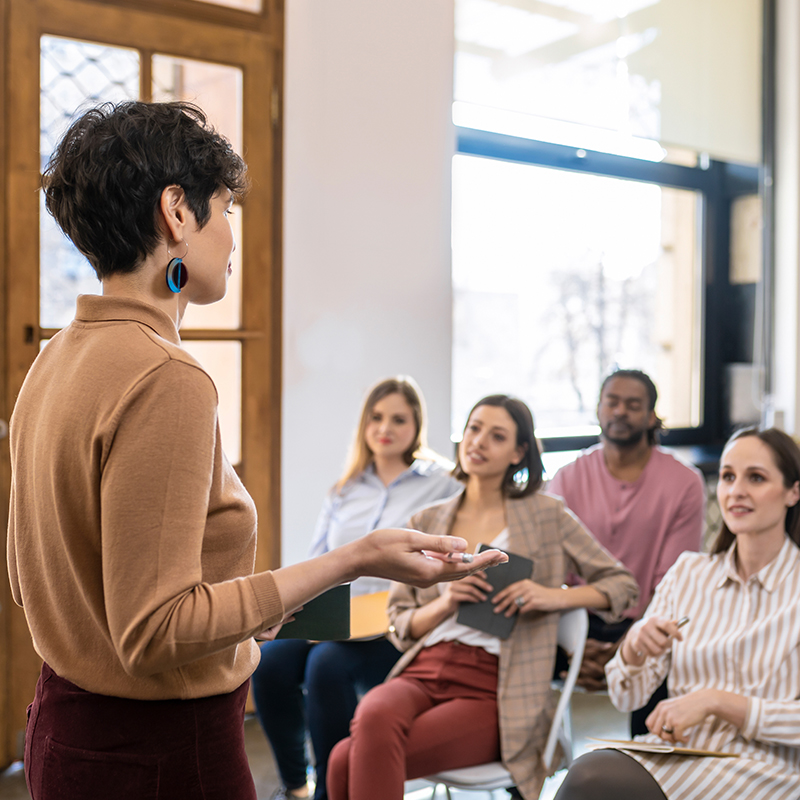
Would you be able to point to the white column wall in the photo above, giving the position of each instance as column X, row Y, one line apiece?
column 786, row 394
column 368, row 146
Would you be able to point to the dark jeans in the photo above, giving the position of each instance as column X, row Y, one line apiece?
column 302, row 686
column 613, row 632
column 82, row 745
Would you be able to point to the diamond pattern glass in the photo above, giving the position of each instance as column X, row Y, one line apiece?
column 73, row 76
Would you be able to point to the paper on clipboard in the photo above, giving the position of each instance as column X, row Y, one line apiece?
column 658, row 749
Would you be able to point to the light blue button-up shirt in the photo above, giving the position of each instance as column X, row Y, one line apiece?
column 365, row 504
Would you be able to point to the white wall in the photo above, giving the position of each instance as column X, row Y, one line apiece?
column 368, row 145
column 787, row 218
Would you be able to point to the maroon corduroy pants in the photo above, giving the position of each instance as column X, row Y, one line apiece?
column 82, row 745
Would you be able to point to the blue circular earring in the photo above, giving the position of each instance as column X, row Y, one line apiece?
column 177, row 274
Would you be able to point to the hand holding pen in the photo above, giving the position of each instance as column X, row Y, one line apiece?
column 651, row 638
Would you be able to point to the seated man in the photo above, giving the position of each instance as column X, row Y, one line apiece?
column 642, row 504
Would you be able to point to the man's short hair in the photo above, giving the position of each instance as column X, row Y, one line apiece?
column 652, row 397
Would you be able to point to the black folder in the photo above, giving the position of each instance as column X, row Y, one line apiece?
column 481, row 615
column 325, row 618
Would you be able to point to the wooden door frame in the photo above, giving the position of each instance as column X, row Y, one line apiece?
column 5, row 466
column 259, row 53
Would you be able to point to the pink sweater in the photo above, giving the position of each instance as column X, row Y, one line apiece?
column 646, row 524
column 131, row 540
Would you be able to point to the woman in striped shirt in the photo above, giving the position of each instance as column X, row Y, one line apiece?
column 734, row 671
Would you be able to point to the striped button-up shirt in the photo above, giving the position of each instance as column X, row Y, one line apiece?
column 743, row 637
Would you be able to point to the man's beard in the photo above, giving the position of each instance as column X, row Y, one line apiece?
column 631, row 440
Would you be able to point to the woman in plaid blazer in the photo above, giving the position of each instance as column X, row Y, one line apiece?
column 459, row 696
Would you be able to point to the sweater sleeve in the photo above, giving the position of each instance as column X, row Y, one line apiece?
column 597, row 567
column 11, row 552
column 685, row 528
column 157, row 473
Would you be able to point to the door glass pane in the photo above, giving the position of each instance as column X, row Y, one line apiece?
column 558, row 277
column 63, row 273
column 73, row 76
column 225, row 313
column 222, row 361
column 217, row 89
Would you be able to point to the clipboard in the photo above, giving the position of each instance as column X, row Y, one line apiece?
column 481, row 615
column 658, row 749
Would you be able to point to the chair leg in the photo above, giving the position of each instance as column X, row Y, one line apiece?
column 446, row 790
column 566, row 725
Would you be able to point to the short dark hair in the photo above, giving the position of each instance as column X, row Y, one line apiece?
column 787, row 459
column 652, row 397
column 104, row 181
column 520, row 479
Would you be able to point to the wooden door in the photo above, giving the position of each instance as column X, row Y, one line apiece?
column 64, row 53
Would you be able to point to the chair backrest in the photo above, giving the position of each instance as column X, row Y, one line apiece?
column 572, row 630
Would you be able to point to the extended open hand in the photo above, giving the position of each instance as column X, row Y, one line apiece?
column 420, row 559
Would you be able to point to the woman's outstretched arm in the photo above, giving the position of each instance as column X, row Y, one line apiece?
column 396, row 554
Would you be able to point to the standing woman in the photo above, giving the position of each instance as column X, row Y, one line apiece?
column 390, row 474
column 458, row 696
column 131, row 540
column 733, row 671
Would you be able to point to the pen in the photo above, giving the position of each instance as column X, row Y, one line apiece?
column 681, row 622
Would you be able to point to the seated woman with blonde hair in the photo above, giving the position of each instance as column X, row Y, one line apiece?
column 312, row 688
column 733, row 671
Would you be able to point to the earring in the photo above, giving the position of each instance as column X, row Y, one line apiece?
column 177, row 274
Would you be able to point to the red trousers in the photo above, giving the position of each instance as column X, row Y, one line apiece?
column 440, row 713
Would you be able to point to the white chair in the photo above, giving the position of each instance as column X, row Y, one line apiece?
column 572, row 630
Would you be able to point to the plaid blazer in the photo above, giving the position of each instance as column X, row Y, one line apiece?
column 540, row 527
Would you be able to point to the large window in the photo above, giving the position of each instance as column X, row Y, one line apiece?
column 560, row 275
column 592, row 213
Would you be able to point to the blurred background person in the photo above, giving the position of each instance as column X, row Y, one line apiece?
column 641, row 503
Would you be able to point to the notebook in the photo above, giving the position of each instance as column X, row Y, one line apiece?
column 665, row 749
column 481, row 615
column 325, row 618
